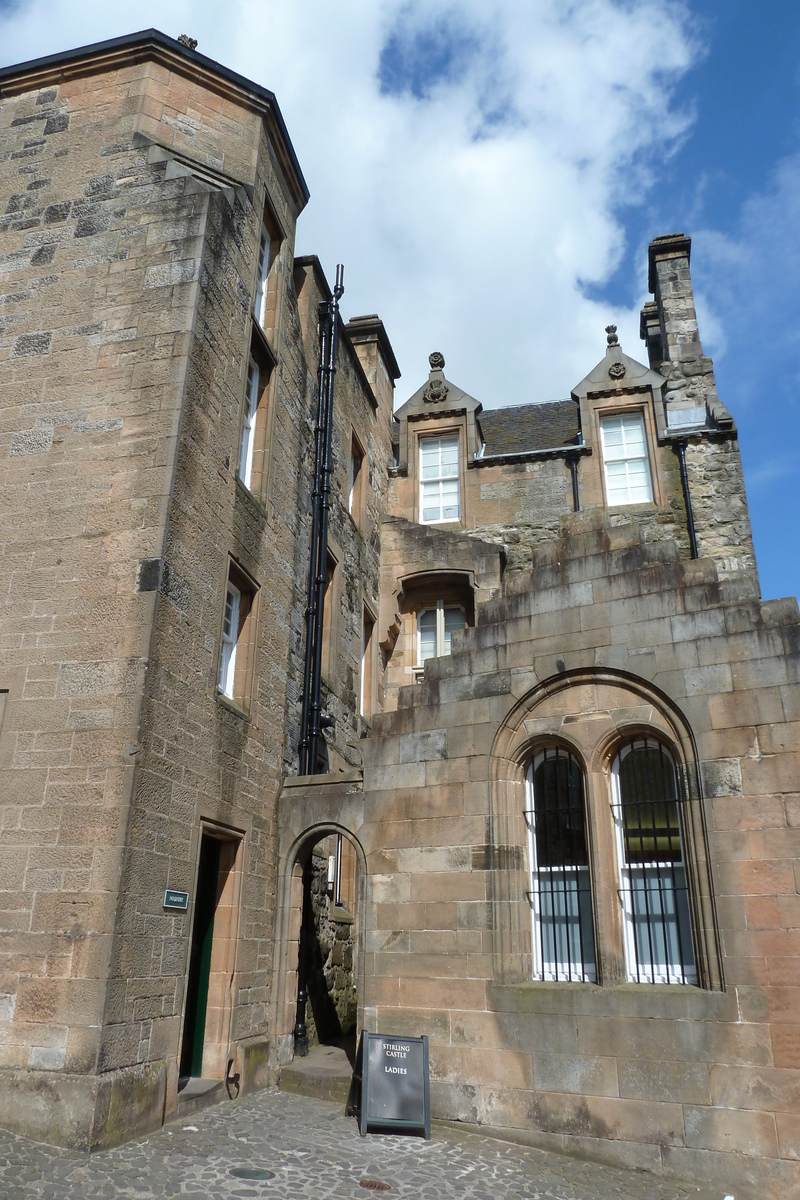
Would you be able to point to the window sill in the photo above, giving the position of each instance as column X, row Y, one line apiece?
column 634, row 504
column 263, row 345
column 670, row 1000
column 251, row 497
column 233, row 706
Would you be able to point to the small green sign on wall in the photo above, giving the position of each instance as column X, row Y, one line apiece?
column 177, row 900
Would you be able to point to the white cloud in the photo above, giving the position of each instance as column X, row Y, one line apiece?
column 471, row 214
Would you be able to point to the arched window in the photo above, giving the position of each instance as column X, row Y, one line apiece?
column 655, row 898
column 560, row 893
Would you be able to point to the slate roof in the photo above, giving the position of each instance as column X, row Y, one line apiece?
column 527, row 427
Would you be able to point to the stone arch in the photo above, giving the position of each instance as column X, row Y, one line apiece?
column 307, row 813
column 591, row 711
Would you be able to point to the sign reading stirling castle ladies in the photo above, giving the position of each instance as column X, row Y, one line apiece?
column 395, row 1088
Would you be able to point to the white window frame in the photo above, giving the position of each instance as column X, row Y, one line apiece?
column 264, row 264
column 247, row 445
column 441, row 643
column 632, row 455
column 560, row 896
column 230, row 639
column 637, row 879
column 431, row 489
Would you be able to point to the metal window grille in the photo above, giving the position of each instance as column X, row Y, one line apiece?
column 653, row 887
column 560, row 894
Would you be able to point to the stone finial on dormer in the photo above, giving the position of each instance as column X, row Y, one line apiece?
column 436, row 389
column 616, row 368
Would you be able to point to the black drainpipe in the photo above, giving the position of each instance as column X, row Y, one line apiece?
column 572, row 459
column 310, row 718
column 687, row 499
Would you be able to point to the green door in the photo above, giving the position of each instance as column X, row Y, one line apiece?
column 194, row 1025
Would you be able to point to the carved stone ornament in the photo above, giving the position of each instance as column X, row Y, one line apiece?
column 436, row 360
column 616, row 370
column 435, row 391
column 611, row 335
column 190, row 42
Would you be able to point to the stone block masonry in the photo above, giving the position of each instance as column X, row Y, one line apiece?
column 516, row 640
column 132, row 194
column 698, row 1080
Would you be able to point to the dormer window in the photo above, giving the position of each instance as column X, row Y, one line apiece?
column 625, row 461
column 439, row 489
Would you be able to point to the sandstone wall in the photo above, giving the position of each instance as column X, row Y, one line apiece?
column 133, row 203
column 609, row 638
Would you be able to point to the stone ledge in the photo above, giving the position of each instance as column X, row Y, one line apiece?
column 678, row 1002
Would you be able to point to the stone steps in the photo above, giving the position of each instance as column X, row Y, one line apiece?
column 324, row 1074
column 198, row 1094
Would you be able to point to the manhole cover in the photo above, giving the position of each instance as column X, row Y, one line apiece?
column 251, row 1173
column 374, row 1185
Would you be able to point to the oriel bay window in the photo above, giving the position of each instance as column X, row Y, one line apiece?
column 560, row 888
column 653, row 887
column 439, row 487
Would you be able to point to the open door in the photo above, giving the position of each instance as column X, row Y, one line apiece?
column 212, row 959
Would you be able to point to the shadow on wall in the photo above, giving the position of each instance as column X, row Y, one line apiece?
column 329, row 947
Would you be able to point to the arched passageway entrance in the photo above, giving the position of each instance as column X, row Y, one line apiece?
column 322, row 886
column 327, row 945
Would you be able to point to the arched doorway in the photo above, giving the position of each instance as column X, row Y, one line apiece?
column 327, row 952
column 321, row 931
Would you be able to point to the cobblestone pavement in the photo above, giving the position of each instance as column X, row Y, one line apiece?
column 313, row 1152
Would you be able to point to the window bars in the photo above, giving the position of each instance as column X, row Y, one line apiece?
column 653, row 888
column 560, row 895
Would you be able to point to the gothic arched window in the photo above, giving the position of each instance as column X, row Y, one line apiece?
column 560, row 891
column 655, row 897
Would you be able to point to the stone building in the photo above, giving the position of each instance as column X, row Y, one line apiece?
column 558, row 796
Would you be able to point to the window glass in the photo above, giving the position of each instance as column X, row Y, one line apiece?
column 560, row 893
column 426, row 634
column 453, row 619
column 249, row 425
column 435, row 627
column 260, row 304
column 627, row 470
column 230, row 636
column 356, row 498
column 439, row 482
column 655, row 898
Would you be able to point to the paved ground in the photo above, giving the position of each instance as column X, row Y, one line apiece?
column 314, row 1152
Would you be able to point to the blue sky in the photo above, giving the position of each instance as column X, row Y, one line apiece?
column 491, row 171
